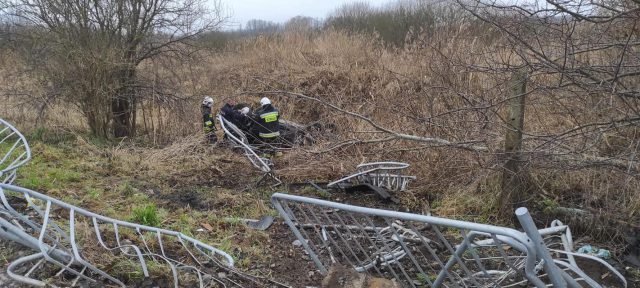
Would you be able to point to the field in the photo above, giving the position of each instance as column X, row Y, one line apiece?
column 438, row 103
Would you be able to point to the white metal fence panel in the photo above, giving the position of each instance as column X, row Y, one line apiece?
column 418, row 250
column 14, row 152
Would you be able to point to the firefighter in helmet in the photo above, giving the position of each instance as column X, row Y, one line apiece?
column 208, row 121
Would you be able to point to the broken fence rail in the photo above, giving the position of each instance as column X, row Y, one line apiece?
column 419, row 250
column 64, row 235
column 14, row 152
column 241, row 141
column 382, row 174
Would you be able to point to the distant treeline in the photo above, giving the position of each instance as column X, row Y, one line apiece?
column 391, row 23
column 395, row 24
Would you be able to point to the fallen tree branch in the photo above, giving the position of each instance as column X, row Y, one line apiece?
column 581, row 159
column 395, row 134
column 355, row 142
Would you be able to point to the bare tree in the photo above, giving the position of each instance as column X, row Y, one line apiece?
column 302, row 23
column 93, row 48
column 257, row 26
column 584, row 66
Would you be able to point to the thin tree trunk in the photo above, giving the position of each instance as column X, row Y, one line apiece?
column 123, row 105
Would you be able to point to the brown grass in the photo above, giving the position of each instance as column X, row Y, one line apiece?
column 408, row 90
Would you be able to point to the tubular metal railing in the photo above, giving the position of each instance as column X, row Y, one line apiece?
column 73, row 241
column 75, row 247
column 240, row 140
column 382, row 174
column 14, row 152
column 418, row 250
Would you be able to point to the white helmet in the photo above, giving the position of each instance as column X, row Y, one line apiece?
column 265, row 101
column 208, row 101
column 245, row 110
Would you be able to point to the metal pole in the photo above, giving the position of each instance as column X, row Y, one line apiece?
column 530, row 229
column 323, row 270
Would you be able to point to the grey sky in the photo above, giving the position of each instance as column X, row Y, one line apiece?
column 242, row 11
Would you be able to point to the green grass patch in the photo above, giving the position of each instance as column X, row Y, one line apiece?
column 50, row 136
column 146, row 215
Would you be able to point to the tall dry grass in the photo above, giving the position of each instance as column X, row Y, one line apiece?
column 439, row 85
column 436, row 86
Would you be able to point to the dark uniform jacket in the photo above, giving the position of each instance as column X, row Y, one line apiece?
column 209, row 126
column 267, row 122
column 207, row 119
column 232, row 115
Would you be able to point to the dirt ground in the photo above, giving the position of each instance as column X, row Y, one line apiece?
column 287, row 263
column 290, row 264
column 9, row 251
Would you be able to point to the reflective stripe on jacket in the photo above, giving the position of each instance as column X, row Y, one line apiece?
column 267, row 122
column 207, row 119
column 269, row 135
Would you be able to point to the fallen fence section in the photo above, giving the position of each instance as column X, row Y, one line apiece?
column 240, row 140
column 418, row 250
column 382, row 174
column 14, row 152
column 75, row 245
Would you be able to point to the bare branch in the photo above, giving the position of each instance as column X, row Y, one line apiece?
column 395, row 134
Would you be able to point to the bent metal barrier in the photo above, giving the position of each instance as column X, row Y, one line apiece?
column 382, row 174
column 14, row 151
column 77, row 247
column 418, row 250
column 241, row 141
column 74, row 241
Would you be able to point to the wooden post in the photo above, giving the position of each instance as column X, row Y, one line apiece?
column 513, row 184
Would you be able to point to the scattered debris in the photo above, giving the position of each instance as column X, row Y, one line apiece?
column 380, row 174
column 263, row 224
column 207, row 226
column 601, row 253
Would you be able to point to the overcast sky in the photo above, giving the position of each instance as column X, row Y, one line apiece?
column 242, row 11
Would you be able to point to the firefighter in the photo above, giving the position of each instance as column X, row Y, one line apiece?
column 234, row 116
column 229, row 112
column 207, row 118
column 267, row 125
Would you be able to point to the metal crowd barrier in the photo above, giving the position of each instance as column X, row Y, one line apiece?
column 382, row 174
column 241, row 141
column 418, row 250
column 69, row 241
column 76, row 247
column 14, row 151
